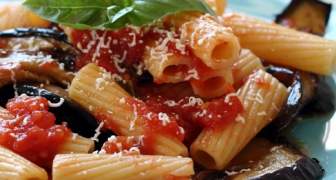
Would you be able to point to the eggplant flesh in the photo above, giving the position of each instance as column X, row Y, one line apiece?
column 77, row 119
column 311, row 16
column 36, row 41
column 262, row 159
column 22, row 67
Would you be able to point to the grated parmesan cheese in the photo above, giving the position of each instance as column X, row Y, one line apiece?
column 95, row 137
column 164, row 118
column 193, row 101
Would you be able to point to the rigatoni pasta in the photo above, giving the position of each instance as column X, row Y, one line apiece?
column 166, row 67
column 217, row 5
column 280, row 45
column 77, row 144
column 89, row 166
column 219, row 81
column 247, row 64
column 214, row 44
column 13, row 166
column 214, row 149
column 95, row 90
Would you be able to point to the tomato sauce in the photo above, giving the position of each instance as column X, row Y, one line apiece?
column 218, row 113
column 155, row 123
column 118, row 50
column 123, row 143
column 104, row 47
column 32, row 133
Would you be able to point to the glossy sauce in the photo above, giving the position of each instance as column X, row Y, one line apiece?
column 155, row 123
column 33, row 132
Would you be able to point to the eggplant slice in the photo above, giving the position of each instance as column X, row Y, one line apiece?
column 306, row 15
column 36, row 41
column 302, row 87
column 77, row 119
column 264, row 160
column 18, row 67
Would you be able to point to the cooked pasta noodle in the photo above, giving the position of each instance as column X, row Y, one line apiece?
column 166, row 67
column 215, row 148
column 14, row 15
column 100, row 166
column 217, row 5
column 245, row 66
column 214, row 44
column 77, row 144
column 214, row 84
column 96, row 91
column 13, row 166
column 280, row 45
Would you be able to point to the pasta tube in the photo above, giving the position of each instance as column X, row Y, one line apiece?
column 166, row 67
column 14, row 15
column 213, row 84
column 217, row 5
column 13, row 166
column 77, row 144
column 95, row 90
column 214, row 44
column 101, row 167
column 214, row 149
column 283, row 46
column 245, row 66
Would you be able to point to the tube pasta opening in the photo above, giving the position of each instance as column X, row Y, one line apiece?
column 216, row 84
column 214, row 44
column 176, row 70
column 206, row 159
column 221, row 51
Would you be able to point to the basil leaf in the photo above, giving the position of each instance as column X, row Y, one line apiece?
column 110, row 14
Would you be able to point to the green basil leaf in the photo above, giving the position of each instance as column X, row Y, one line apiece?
column 111, row 14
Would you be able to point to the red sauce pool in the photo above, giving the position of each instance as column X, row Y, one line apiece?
column 33, row 133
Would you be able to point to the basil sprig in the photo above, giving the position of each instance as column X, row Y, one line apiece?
column 110, row 14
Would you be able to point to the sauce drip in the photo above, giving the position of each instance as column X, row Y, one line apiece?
column 32, row 132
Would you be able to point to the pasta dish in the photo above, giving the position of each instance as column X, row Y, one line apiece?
column 154, row 89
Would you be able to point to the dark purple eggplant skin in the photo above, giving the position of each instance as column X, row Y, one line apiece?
column 301, row 167
column 62, row 51
column 315, row 3
column 211, row 175
column 304, row 169
column 324, row 100
column 36, row 32
column 293, row 105
column 77, row 119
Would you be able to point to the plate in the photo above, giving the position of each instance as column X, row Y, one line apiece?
column 316, row 135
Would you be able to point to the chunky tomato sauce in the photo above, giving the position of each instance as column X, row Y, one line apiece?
column 108, row 48
column 122, row 143
column 155, row 123
column 119, row 50
column 32, row 133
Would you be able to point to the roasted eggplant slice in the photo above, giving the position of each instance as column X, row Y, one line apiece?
column 37, row 41
column 324, row 98
column 262, row 159
column 34, row 32
column 302, row 87
column 78, row 120
column 306, row 15
column 22, row 67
